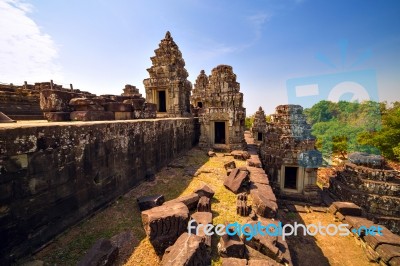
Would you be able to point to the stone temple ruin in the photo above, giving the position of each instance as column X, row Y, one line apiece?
column 219, row 106
column 53, row 175
column 259, row 125
column 367, row 181
column 168, row 86
column 289, row 155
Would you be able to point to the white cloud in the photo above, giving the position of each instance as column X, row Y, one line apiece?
column 257, row 21
column 26, row 53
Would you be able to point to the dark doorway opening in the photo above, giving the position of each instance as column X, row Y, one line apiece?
column 291, row 177
column 162, row 101
column 219, row 133
column 259, row 136
column 200, row 104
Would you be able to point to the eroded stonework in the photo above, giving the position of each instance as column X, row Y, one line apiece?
column 219, row 105
column 289, row 155
column 369, row 183
column 168, row 86
column 259, row 124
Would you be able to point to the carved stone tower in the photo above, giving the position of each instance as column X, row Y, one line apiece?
column 168, row 86
column 259, row 124
column 220, row 108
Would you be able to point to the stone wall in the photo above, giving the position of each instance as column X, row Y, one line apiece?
column 55, row 174
column 377, row 191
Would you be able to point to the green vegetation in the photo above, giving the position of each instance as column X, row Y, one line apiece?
column 387, row 140
column 249, row 122
column 339, row 127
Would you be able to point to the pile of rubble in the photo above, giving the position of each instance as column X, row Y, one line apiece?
column 380, row 244
column 367, row 181
column 62, row 105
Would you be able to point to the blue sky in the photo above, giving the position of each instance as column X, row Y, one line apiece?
column 100, row 46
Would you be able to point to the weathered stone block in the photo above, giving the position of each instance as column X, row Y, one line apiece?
column 204, row 205
column 254, row 162
column 387, row 252
column 236, row 180
column 187, row 250
column 164, row 224
column 118, row 107
column 123, row 115
column 56, row 100
column 230, row 165
column 233, row 262
column 190, row 200
column 264, row 201
column 265, row 244
column 231, row 246
column 240, row 155
column 205, row 191
column 347, row 208
column 387, row 237
column 103, row 252
column 241, row 208
column 148, row 202
column 203, row 218
column 57, row 116
column 92, row 116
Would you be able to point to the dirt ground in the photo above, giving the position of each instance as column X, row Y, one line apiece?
column 181, row 177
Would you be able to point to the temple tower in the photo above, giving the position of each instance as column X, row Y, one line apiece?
column 220, row 109
column 168, row 86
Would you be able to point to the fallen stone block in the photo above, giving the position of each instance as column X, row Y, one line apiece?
column 164, row 224
column 240, row 155
column 387, row 252
column 241, row 208
column 347, row 208
column 242, row 196
column 266, row 244
column 187, row 250
column 233, row 262
column 387, row 237
column 203, row 219
column 266, row 190
column 190, row 201
column 92, row 116
column 231, row 246
column 254, row 162
column 395, row 261
column 205, row 191
column 340, row 217
column 236, row 179
column 258, row 175
column 204, row 205
column 148, row 202
column 264, row 202
column 358, row 223
column 103, row 252
column 230, row 165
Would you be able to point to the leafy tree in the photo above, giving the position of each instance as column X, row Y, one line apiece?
column 249, row 122
column 387, row 140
